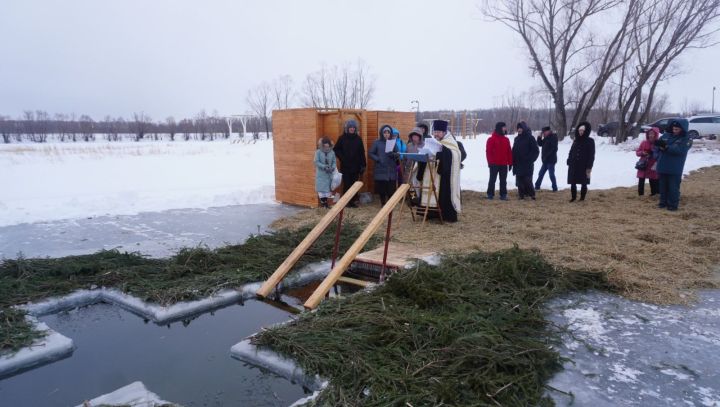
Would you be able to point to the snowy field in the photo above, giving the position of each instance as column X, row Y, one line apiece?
column 53, row 181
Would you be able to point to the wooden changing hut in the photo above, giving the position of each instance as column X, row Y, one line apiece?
column 296, row 132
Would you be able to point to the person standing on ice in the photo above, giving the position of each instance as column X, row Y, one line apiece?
column 524, row 153
column 351, row 152
column 580, row 161
column 385, row 172
column 448, row 169
column 499, row 157
column 548, row 141
column 648, row 156
column 673, row 147
column 325, row 165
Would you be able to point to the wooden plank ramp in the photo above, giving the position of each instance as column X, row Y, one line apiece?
column 354, row 250
column 400, row 255
column 314, row 234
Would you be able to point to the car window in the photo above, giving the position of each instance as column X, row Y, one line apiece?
column 716, row 119
column 662, row 122
column 702, row 120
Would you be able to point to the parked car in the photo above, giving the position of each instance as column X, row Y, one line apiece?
column 611, row 129
column 660, row 124
column 704, row 126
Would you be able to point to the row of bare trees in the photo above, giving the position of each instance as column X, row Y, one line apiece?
column 348, row 86
column 39, row 126
column 580, row 67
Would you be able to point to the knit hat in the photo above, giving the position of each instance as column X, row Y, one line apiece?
column 499, row 126
column 440, row 125
column 546, row 128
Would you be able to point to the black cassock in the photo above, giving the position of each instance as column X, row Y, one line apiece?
column 445, row 170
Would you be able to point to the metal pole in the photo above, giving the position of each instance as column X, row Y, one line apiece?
column 713, row 101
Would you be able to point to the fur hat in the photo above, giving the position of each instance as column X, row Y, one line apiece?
column 546, row 128
column 351, row 123
column 416, row 130
column 423, row 126
column 440, row 125
column 499, row 126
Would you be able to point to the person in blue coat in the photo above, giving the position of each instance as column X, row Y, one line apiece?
column 673, row 148
column 385, row 172
column 325, row 164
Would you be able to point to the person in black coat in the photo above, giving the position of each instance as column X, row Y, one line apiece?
column 524, row 152
column 580, row 161
column 548, row 141
column 350, row 150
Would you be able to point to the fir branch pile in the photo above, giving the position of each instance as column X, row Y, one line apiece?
column 191, row 274
column 470, row 331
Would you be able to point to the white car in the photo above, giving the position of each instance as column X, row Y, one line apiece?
column 704, row 126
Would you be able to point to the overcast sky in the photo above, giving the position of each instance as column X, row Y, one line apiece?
column 176, row 57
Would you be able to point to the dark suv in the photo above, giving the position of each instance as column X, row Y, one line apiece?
column 661, row 124
column 611, row 129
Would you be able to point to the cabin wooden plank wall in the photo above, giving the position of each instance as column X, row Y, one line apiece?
column 296, row 132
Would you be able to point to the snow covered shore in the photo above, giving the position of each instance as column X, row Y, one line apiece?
column 44, row 182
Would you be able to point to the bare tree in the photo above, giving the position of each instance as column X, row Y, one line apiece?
column 259, row 99
column 347, row 87
column 87, row 127
column 283, row 92
column 674, row 27
column 172, row 127
column 5, row 129
column 140, row 125
column 562, row 48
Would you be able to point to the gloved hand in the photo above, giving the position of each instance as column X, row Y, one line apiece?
column 660, row 143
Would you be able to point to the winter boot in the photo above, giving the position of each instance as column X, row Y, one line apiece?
column 573, row 194
column 324, row 202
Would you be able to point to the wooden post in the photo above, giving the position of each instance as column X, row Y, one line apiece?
column 314, row 234
column 353, row 251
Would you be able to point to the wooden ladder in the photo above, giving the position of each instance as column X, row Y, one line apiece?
column 336, row 274
column 287, row 265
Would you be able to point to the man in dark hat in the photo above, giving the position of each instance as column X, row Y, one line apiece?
column 351, row 152
column 548, row 141
column 447, row 182
column 524, row 152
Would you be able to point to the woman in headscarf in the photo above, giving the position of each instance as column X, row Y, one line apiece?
column 325, row 165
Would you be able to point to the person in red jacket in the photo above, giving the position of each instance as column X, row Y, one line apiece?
column 499, row 158
column 648, row 154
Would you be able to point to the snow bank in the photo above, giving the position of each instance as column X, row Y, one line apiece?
column 614, row 164
column 276, row 363
column 134, row 394
column 50, row 348
column 62, row 181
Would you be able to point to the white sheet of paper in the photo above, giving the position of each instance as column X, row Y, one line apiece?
column 389, row 145
column 431, row 147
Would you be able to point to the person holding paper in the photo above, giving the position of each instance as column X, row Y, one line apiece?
column 448, row 179
column 384, row 153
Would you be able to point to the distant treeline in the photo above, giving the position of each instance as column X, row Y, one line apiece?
column 39, row 126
